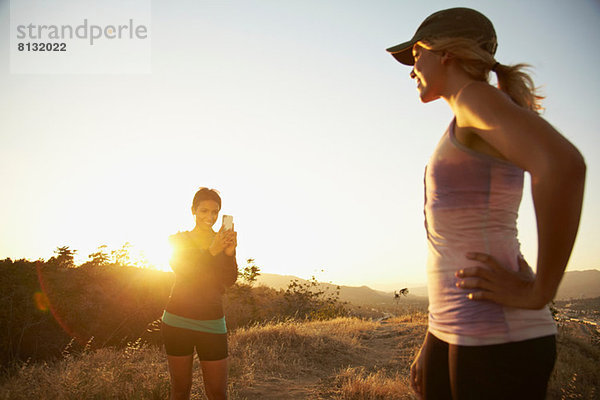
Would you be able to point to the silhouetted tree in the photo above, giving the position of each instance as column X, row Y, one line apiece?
column 401, row 292
column 121, row 256
column 65, row 256
column 100, row 257
column 250, row 272
column 308, row 300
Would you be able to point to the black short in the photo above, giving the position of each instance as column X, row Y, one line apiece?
column 518, row 370
column 181, row 342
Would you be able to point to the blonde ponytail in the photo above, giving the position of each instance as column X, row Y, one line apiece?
column 518, row 84
column 477, row 63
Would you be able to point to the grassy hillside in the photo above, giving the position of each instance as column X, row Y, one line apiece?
column 46, row 305
column 86, row 333
column 339, row 358
column 343, row 358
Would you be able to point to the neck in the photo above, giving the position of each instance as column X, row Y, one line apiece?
column 202, row 229
column 457, row 80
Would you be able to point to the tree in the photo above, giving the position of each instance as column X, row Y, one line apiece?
column 100, row 257
column 122, row 256
column 401, row 292
column 250, row 272
column 308, row 300
column 65, row 256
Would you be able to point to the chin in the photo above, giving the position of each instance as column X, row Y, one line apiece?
column 426, row 95
column 425, row 99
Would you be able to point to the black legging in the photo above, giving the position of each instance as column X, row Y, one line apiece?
column 518, row 370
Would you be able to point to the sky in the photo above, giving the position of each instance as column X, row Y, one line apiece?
column 293, row 110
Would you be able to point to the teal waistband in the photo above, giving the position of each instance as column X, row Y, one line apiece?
column 208, row 326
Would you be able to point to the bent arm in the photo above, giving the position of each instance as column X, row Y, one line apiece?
column 557, row 197
column 557, row 172
column 228, row 270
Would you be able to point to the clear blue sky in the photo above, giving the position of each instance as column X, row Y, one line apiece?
column 293, row 110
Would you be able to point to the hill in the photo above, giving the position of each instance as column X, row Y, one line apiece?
column 359, row 295
column 579, row 285
column 343, row 358
column 109, row 305
column 575, row 284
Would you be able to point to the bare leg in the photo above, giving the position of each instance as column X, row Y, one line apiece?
column 180, row 368
column 214, row 374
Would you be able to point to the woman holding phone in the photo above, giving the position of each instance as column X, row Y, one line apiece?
column 490, row 333
column 204, row 265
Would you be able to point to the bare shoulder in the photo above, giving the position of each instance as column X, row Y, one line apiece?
column 478, row 91
column 483, row 106
column 519, row 135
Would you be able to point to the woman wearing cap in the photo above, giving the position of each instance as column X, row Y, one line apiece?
column 490, row 334
column 204, row 265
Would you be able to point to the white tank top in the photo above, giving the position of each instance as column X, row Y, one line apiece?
column 471, row 204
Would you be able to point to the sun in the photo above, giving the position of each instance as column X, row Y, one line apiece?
column 151, row 252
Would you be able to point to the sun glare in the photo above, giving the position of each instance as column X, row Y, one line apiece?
column 144, row 252
column 154, row 253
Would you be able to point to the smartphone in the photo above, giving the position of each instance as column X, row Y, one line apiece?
column 227, row 222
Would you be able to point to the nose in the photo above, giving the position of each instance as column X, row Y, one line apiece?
column 412, row 74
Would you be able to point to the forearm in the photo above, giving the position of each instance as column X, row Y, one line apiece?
column 228, row 270
column 557, row 198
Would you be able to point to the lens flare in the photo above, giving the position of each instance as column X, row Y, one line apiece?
column 41, row 301
column 45, row 298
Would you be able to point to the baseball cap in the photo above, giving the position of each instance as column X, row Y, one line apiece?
column 454, row 22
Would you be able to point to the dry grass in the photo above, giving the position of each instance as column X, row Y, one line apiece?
column 135, row 373
column 356, row 384
column 288, row 349
column 343, row 358
column 576, row 374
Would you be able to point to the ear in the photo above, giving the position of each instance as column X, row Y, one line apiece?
column 446, row 58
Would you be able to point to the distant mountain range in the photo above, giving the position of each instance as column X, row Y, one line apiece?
column 575, row 284
column 579, row 285
column 359, row 295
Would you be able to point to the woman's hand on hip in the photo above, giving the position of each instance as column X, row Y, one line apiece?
column 493, row 282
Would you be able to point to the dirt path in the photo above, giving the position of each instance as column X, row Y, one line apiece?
column 390, row 347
